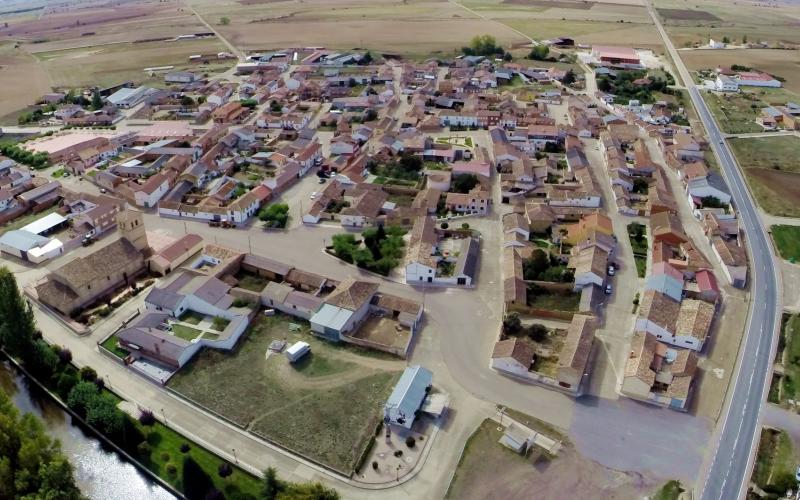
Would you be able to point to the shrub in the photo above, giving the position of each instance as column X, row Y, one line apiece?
column 88, row 374
column 224, row 470
column 465, row 226
column 172, row 469
column 164, row 456
column 185, row 448
column 65, row 384
column 144, row 449
column 398, row 453
column 100, row 383
column 147, row 418
column 64, row 356
column 445, row 225
column 410, row 441
column 374, row 465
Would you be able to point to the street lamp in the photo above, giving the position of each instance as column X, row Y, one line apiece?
column 163, row 414
column 234, row 455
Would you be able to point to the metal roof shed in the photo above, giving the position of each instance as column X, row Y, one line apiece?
column 407, row 396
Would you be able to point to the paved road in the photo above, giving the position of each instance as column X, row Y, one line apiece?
column 731, row 458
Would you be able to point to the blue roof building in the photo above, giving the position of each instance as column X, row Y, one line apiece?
column 407, row 396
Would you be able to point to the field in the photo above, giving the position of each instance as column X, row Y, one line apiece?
column 513, row 477
column 787, row 386
column 735, row 113
column 787, row 240
column 325, row 407
column 415, row 27
column 111, row 64
column 21, row 78
column 775, row 463
column 782, row 63
column 772, row 172
column 694, row 22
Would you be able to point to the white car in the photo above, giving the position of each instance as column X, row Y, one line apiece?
column 314, row 195
column 608, row 289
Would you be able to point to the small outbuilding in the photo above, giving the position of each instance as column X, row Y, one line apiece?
column 407, row 397
column 297, row 351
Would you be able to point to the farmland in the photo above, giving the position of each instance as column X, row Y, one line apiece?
column 21, row 78
column 693, row 23
column 783, row 63
column 774, row 176
column 338, row 391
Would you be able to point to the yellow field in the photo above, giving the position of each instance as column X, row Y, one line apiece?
column 21, row 78
column 109, row 64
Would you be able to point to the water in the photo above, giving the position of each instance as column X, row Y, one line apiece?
column 100, row 472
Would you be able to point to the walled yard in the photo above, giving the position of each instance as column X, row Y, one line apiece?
column 339, row 391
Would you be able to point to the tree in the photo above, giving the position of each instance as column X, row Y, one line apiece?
column 31, row 463
column 365, row 59
column 725, row 39
column 539, row 53
column 508, row 57
column 275, row 215
column 744, row 40
column 88, row 374
column 533, row 267
column 445, row 225
column 224, row 20
column 271, row 486
column 97, row 101
column 569, row 78
column 196, row 483
column 17, row 325
column 483, row 45
column 343, row 246
column 512, row 324
column 41, row 360
column 187, row 101
column 464, row 183
column 80, row 397
column 224, row 470
column 537, row 332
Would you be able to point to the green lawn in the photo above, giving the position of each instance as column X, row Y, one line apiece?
column 185, row 332
column 641, row 265
column 111, row 344
column 165, row 447
column 192, row 317
column 789, row 356
column 787, row 240
column 334, row 397
column 775, row 463
column 670, row 491
column 639, row 246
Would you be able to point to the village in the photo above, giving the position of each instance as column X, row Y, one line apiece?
column 315, row 209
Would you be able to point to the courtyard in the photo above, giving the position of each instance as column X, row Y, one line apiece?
column 338, row 389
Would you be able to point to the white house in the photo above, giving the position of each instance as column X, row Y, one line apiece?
column 456, row 119
column 152, row 191
column 725, row 83
column 714, row 44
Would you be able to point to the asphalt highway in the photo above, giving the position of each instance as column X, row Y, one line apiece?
column 736, row 439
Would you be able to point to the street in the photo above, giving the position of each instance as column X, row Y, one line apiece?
column 730, row 459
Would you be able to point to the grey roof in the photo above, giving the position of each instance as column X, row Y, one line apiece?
column 22, row 240
column 209, row 289
column 164, row 298
column 468, row 258
column 152, row 341
column 266, row 264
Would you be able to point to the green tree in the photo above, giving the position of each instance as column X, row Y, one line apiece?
column 97, row 101
column 32, row 465
column 224, row 20
column 41, row 360
column 539, row 53
column 17, row 326
column 271, row 485
column 81, row 396
column 725, row 39
column 343, row 246
column 187, row 101
column 276, row 215
column 196, row 483
column 103, row 414
column 464, row 183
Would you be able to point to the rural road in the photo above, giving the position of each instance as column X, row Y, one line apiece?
column 738, row 429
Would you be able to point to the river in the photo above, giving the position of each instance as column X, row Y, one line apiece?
column 100, row 472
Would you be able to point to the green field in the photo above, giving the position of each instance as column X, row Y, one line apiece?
column 775, row 463
column 111, row 344
column 326, row 407
column 185, row 332
column 787, row 241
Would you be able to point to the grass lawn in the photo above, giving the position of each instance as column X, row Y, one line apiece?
column 191, row 317
column 735, row 112
column 185, row 332
column 641, row 265
column 789, row 356
column 639, row 247
column 787, row 240
column 337, row 393
column 775, row 463
column 111, row 344
column 670, row 491
column 251, row 282
column 165, row 450
column 772, row 172
column 556, row 302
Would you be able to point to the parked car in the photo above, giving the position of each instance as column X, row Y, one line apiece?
column 213, row 223
column 612, row 270
column 314, row 195
column 87, row 241
column 608, row 289
column 322, row 180
column 103, row 190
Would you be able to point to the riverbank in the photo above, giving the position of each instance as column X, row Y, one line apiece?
column 169, row 459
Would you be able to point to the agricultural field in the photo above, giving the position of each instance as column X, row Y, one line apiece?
column 412, row 28
column 735, row 113
column 782, row 63
column 772, row 172
column 81, row 25
column 22, row 79
column 690, row 23
column 339, row 390
column 112, row 64
column 787, row 241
